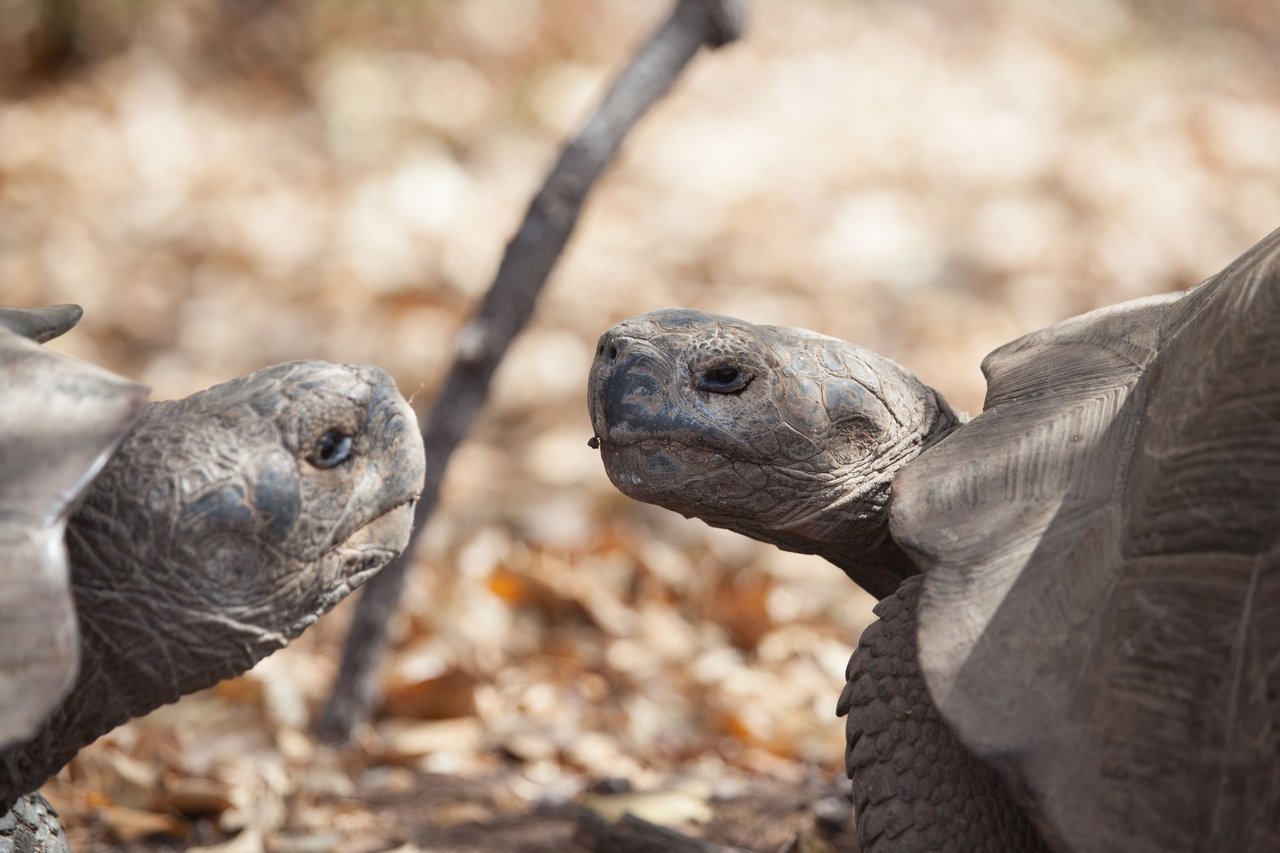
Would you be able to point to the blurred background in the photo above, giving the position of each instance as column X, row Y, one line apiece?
column 223, row 184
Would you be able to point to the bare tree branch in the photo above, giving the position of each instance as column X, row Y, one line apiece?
column 528, row 261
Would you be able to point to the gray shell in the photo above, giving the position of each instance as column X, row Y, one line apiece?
column 60, row 420
column 1101, row 550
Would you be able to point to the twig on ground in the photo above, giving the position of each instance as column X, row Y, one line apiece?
column 526, row 264
column 635, row 835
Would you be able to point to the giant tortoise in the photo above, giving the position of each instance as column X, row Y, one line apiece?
column 1090, row 567
column 155, row 549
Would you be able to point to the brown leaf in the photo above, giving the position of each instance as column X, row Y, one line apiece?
column 130, row 825
column 447, row 696
column 402, row 739
column 194, row 797
column 665, row 808
column 740, row 604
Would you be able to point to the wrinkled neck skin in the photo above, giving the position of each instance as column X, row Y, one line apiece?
column 142, row 645
column 209, row 542
column 872, row 558
column 849, row 526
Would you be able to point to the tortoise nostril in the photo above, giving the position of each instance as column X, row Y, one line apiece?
column 613, row 352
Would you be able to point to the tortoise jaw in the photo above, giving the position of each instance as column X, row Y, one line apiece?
column 644, row 470
column 387, row 534
column 358, row 558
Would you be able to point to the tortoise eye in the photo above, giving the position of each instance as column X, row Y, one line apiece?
column 723, row 379
column 331, row 450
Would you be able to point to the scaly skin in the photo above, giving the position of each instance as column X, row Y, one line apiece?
column 225, row 524
column 31, row 826
column 915, row 787
column 794, row 438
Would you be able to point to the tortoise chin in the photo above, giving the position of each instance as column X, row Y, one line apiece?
column 640, row 468
column 354, row 560
column 377, row 543
column 693, row 481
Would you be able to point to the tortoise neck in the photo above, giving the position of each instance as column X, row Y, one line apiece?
column 944, row 419
column 874, row 560
column 879, row 571
column 141, row 644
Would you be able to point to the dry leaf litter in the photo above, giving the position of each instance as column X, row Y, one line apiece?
column 227, row 183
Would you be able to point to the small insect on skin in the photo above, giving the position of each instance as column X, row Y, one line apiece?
column 594, row 442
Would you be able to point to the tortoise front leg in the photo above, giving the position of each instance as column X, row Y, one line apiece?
column 915, row 787
column 32, row 826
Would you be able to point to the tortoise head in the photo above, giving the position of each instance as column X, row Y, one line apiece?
column 781, row 434
column 242, row 513
column 223, row 526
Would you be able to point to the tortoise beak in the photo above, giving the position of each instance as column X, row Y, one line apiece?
column 627, row 389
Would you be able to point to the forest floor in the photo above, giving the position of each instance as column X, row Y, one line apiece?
column 228, row 183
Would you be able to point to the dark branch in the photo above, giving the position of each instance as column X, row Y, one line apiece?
column 528, row 261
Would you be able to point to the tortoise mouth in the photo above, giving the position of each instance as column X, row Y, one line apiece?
column 384, row 536
column 691, row 479
column 362, row 555
column 632, row 461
